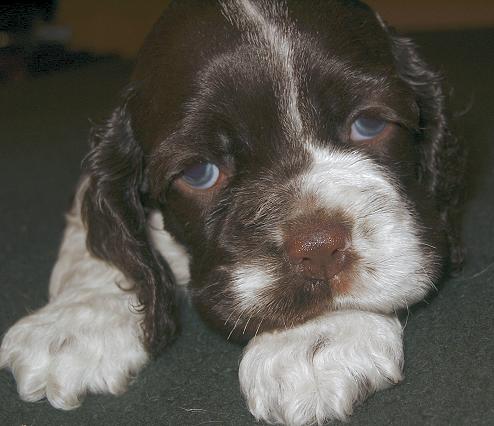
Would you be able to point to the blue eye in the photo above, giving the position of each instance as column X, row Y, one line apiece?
column 364, row 128
column 201, row 176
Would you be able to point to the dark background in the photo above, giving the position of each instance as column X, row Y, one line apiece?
column 449, row 344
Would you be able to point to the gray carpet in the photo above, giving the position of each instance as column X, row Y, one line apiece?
column 449, row 340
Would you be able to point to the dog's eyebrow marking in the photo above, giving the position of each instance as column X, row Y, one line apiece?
column 265, row 28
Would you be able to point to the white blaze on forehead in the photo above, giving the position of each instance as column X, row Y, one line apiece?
column 267, row 25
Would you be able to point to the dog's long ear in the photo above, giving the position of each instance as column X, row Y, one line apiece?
column 115, row 219
column 442, row 154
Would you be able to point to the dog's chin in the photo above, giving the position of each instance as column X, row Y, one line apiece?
column 283, row 304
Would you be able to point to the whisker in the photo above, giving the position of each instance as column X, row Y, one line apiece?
column 234, row 309
column 259, row 326
column 408, row 315
column 254, row 313
column 246, row 324
column 427, row 245
column 236, row 323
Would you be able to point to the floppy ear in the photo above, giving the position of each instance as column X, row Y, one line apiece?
column 442, row 162
column 115, row 219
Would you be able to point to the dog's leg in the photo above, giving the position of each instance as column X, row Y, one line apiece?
column 318, row 371
column 88, row 337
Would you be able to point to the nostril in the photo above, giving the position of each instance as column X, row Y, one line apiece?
column 318, row 252
column 335, row 251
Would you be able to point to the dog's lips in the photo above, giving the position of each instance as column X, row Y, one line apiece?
column 278, row 299
column 341, row 284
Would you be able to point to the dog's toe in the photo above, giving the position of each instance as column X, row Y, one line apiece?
column 59, row 354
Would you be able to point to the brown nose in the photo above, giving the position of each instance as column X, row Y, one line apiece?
column 318, row 251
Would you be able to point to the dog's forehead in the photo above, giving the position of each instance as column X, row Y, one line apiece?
column 269, row 39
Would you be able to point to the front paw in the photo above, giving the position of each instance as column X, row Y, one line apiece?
column 319, row 371
column 69, row 348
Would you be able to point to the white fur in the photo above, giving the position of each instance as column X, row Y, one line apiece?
column 247, row 281
column 318, row 371
column 283, row 378
column 268, row 28
column 390, row 272
column 88, row 337
column 176, row 256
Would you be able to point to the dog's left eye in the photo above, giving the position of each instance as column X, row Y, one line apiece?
column 364, row 128
column 201, row 176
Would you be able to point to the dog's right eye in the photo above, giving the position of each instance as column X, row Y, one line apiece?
column 201, row 176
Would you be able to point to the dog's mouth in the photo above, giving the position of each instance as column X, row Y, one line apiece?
column 287, row 301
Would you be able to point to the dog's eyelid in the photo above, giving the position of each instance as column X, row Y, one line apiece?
column 376, row 122
column 201, row 178
column 383, row 112
column 400, row 120
column 222, row 161
column 365, row 129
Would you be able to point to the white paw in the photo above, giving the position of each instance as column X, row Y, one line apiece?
column 319, row 371
column 74, row 346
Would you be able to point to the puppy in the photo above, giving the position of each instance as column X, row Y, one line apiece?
column 292, row 163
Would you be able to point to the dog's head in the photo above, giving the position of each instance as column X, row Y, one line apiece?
column 301, row 154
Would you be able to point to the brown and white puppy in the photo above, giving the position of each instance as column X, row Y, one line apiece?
column 298, row 154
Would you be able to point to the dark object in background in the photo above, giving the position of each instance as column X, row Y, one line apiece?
column 27, row 51
column 17, row 20
column 18, row 17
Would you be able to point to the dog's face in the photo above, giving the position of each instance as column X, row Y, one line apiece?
column 297, row 152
